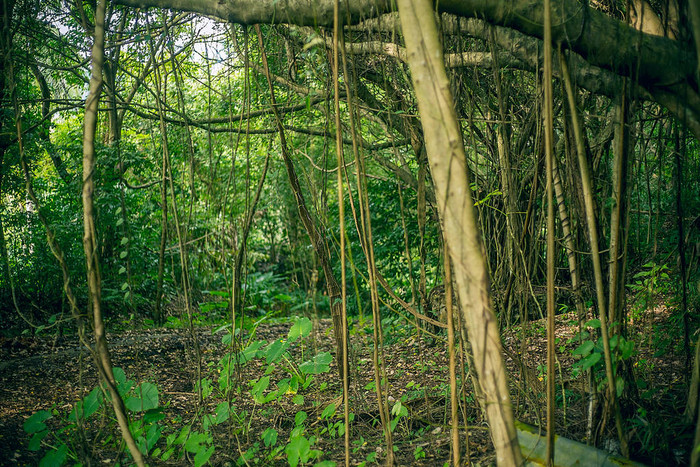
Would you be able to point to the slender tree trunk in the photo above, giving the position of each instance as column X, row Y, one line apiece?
column 102, row 357
column 448, row 166
column 549, row 157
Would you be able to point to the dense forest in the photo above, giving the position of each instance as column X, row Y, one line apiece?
column 278, row 232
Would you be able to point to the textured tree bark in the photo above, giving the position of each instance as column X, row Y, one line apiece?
column 448, row 167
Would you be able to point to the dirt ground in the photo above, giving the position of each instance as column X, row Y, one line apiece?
column 53, row 373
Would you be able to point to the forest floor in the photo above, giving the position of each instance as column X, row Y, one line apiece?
column 53, row 374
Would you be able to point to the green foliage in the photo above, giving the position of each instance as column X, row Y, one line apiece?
column 650, row 283
column 146, row 426
column 267, row 389
column 590, row 350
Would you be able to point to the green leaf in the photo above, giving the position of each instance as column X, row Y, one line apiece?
column 619, row 385
column 167, row 454
column 584, row 349
column 37, row 438
column 123, row 254
column 223, row 412
column 398, row 410
column 614, row 341
column 301, row 328
column 182, row 437
column 269, row 437
column 274, row 351
column 319, row 364
column 152, row 436
column 120, row 221
column 258, row 389
column 300, row 417
column 153, row 415
column 590, row 360
column 35, row 423
column 119, row 375
column 55, row 457
column 325, row 464
column 88, row 406
column 195, row 442
column 208, row 421
column 122, row 270
column 124, row 241
column 593, row 323
column 297, row 450
column 626, row 349
column 250, row 352
column 145, row 398
column 329, row 411
column 203, row 456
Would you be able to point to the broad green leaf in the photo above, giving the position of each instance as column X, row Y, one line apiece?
column 593, row 323
column 274, row 351
column 319, row 364
column 36, row 423
column 196, row 442
column 300, row 417
column 119, row 375
column 398, row 410
column 202, row 457
column 167, row 454
column 145, row 398
column 619, row 385
column 37, row 438
column 153, row 415
column 91, row 403
column 301, row 328
column 208, row 421
column 182, row 437
column 329, row 411
column 258, row 389
column 584, row 349
column 269, row 436
column 297, row 450
column 223, row 412
column 613, row 341
column 626, row 349
column 250, row 352
column 590, row 360
column 55, row 457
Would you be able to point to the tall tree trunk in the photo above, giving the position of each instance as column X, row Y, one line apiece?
column 447, row 159
column 102, row 357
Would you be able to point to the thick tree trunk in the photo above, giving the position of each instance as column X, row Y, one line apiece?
column 448, row 166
